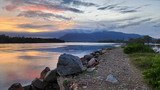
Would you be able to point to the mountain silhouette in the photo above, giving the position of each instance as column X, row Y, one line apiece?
column 97, row 36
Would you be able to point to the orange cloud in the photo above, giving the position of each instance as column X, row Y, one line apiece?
column 39, row 8
column 10, row 24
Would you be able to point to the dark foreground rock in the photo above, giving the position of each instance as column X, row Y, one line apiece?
column 88, row 57
column 47, row 83
column 69, row 64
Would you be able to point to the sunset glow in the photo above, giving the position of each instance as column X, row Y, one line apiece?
column 38, row 16
column 39, row 8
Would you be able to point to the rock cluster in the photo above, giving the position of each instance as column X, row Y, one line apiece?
column 68, row 66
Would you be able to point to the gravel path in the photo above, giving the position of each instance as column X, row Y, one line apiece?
column 113, row 62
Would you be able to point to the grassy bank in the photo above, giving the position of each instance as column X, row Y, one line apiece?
column 147, row 61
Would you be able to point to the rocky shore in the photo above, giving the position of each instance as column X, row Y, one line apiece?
column 112, row 70
column 106, row 69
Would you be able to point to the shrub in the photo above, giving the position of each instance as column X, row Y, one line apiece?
column 144, row 58
column 137, row 48
column 149, row 63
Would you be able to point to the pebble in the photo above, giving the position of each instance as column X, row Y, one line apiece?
column 91, row 69
column 112, row 79
column 84, row 87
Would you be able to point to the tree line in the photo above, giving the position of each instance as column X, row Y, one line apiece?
column 144, row 39
column 8, row 39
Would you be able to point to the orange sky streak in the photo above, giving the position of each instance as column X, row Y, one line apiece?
column 39, row 8
column 11, row 25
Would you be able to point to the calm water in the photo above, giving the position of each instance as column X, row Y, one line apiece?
column 23, row 62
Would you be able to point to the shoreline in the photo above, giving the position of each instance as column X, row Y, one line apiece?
column 105, row 69
column 114, row 72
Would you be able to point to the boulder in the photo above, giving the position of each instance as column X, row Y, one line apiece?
column 39, row 84
column 16, row 86
column 103, row 51
column 69, row 64
column 84, row 61
column 93, row 62
column 88, row 57
column 51, row 76
column 96, row 55
column 97, row 51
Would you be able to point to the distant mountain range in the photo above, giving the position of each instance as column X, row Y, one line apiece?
column 77, row 35
column 97, row 36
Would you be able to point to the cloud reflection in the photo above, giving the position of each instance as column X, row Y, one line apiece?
column 23, row 67
column 24, row 62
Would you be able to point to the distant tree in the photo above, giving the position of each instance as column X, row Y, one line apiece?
column 136, row 40
column 7, row 39
column 147, row 39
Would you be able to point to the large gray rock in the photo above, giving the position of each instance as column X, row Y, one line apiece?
column 69, row 64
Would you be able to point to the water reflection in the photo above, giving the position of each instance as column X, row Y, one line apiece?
column 24, row 66
column 23, row 62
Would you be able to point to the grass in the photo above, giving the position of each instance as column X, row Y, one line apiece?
column 137, row 48
column 147, row 61
column 149, row 64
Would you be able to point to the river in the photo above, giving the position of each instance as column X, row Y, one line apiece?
column 24, row 62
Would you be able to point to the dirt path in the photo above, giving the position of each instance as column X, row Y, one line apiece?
column 113, row 62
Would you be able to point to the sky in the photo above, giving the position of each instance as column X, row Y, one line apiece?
column 45, row 16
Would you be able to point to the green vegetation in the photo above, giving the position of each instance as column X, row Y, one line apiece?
column 137, row 48
column 7, row 39
column 146, row 60
column 145, row 39
column 149, row 63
